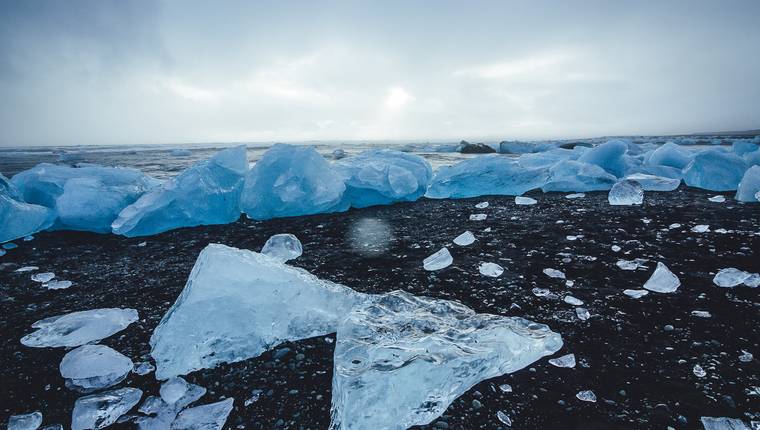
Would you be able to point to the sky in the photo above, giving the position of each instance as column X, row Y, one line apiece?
column 141, row 72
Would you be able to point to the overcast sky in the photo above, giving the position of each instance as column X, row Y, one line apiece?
column 122, row 71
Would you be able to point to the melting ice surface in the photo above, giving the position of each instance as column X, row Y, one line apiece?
column 715, row 170
column 283, row 247
column 237, row 304
column 749, row 187
column 492, row 270
column 731, row 277
column 103, row 409
column 662, row 280
column 520, row 200
column 464, row 239
column 654, row 183
column 18, row 219
column 79, row 328
column 205, row 417
column 567, row 361
column 94, row 367
column 435, row 349
column 25, row 422
column 440, row 260
column 163, row 414
column 626, row 193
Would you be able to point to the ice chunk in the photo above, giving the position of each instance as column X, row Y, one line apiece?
column 615, row 248
column 30, row 421
column 742, row 147
column 464, row 239
column 636, row 294
column 701, row 314
column 609, row 156
column 204, row 417
column 566, row 361
column 26, row 269
column 520, row 200
column 402, row 360
column 570, row 175
column 7, row 188
column 18, row 219
column 441, row 259
column 504, row 418
column 84, row 198
column 554, row 273
column 730, row 277
column 700, row 228
column 103, row 409
column 57, row 285
column 206, row 193
column 237, row 304
column 670, row 155
column 722, row 423
column 283, row 247
column 582, row 314
column 485, row 175
column 586, row 396
column 570, row 300
column 745, row 356
column 79, row 328
column 717, row 199
column 290, row 181
column 575, row 196
column 626, row 193
column 43, row 277
column 757, row 196
column 654, row 183
column 662, row 280
column 749, row 186
column 93, row 367
column 164, row 414
column 481, row 205
column 698, row 371
column 715, row 170
column 492, row 270
column 627, row 264
column 383, row 176
column 173, row 390
column 478, row 217
column 143, row 368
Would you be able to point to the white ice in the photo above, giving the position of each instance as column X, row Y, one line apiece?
column 492, row 270
column 662, row 280
column 554, row 273
column 439, row 260
column 626, row 193
column 204, row 417
column 566, row 361
column 79, row 328
column 520, row 200
column 464, row 239
column 30, row 421
column 94, row 367
column 103, row 409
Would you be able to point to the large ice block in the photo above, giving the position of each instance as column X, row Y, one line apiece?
column 749, row 185
column 85, row 198
column 19, row 219
column 609, row 156
column 384, row 176
column 576, row 176
column 400, row 361
column 206, row 193
column 237, row 304
column 291, row 181
column 485, row 175
column 670, row 155
column 715, row 170
column 654, row 183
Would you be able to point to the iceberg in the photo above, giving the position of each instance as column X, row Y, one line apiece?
column 93, row 367
column 670, row 155
column 79, row 328
column 103, row 409
column 291, row 181
column 85, row 198
column 19, row 219
column 283, row 247
column 205, row 417
column 626, row 193
column 609, row 156
column 662, row 280
column 715, row 170
column 383, row 176
column 485, row 175
column 749, row 186
column 237, row 304
column 742, row 147
column 206, row 193
column 400, row 361
column 654, row 183
column 30, row 421
column 578, row 177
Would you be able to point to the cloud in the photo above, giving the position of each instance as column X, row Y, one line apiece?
column 396, row 99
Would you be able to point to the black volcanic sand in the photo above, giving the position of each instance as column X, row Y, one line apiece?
column 641, row 372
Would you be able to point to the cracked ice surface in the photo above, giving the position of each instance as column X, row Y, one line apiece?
column 237, row 304
column 401, row 360
column 79, row 328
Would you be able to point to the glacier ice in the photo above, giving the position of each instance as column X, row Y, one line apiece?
column 283, row 247
column 204, row 417
column 575, row 196
column 566, row 361
column 730, row 277
column 491, row 270
column 143, row 368
column 626, row 193
column 435, row 349
column 586, row 396
column 715, row 170
column 742, row 147
column 582, row 313
column 654, row 183
column 627, row 264
column 481, row 205
column 206, row 193
column 574, row 301
column 57, row 285
column 723, row 423
column 237, row 304
column 700, row 228
column 43, row 277
column 19, row 219
column 383, row 176
column 478, row 217
column 291, row 181
column 717, row 199
column 162, row 414
column 575, row 176
column 30, row 421
column 554, row 273
column 636, row 294
column 609, row 156
column 93, row 367
column 662, row 280
column 79, row 328
column 670, row 155
column 83, row 198
column 749, row 186
column 173, row 389
column 504, row 418
column 485, row 175
column 439, row 260
column 103, row 409
column 524, row 201
column 464, row 239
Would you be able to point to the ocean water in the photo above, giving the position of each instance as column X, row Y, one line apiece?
column 159, row 162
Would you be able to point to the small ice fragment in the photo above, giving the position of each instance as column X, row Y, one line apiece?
column 701, row 228
column 554, row 273
column 569, row 283
column 717, row 199
column 103, row 409
column 627, row 264
column 582, row 314
column 28, row 238
column 9, row 246
column 636, row 294
column 492, row 270
column 26, row 269
column 626, row 193
column 173, row 389
column 571, row 238
column 255, row 395
column 615, row 248
column 699, row 372
column 481, row 205
column 730, row 277
column 43, row 277
column 25, row 422
column 283, row 247
column 57, row 285
column 206, row 417
column 143, row 368
column 566, row 361
column 701, row 314
column 79, row 328
column 2, row 252
column 745, row 357
column 722, row 423
column 142, row 244
column 570, row 300
column 439, row 260
column 53, row 427
column 575, row 196
column 505, row 388
column 504, row 418
column 586, row 396
column 464, row 239
column 93, row 367
column 478, row 217
column 753, row 281
column 520, row 200
column 674, row 226
column 541, row 292
column 662, row 280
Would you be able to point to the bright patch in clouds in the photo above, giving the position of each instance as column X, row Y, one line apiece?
column 397, row 98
